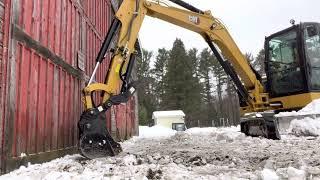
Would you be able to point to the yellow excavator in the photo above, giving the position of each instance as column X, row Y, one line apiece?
column 291, row 60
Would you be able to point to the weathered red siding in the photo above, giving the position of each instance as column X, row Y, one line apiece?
column 4, row 39
column 53, row 46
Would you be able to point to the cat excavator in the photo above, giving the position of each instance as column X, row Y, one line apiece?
column 291, row 59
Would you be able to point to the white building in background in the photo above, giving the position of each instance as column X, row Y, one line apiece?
column 169, row 119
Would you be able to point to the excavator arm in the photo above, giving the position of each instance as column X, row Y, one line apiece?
column 118, row 89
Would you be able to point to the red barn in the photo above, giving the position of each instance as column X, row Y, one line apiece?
column 47, row 53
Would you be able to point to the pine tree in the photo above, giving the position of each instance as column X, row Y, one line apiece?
column 182, row 88
column 220, row 80
column 158, row 73
column 205, row 70
column 145, row 90
column 260, row 62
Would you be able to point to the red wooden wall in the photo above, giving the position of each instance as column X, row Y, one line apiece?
column 52, row 50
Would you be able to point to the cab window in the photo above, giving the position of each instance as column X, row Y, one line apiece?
column 312, row 48
column 284, row 64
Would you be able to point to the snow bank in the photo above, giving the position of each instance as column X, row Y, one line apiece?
column 155, row 131
column 195, row 131
column 161, row 131
column 311, row 108
column 305, row 127
column 199, row 131
column 304, row 122
column 228, row 134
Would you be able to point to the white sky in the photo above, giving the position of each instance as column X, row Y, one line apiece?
column 248, row 21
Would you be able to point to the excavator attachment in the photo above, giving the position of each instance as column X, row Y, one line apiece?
column 273, row 126
column 95, row 140
column 260, row 124
column 286, row 125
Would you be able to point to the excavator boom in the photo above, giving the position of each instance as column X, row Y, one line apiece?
column 118, row 87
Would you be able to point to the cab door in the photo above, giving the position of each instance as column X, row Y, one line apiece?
column 285, row 65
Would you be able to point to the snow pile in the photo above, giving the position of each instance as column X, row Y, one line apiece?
column 228, row 134
column 310, row 109
column 305, row 122
column 269, row 174
column 305, row 127
column 296, row 174
column 208, row 130
column 288, row 114
column 155, row 131
column 199, row 131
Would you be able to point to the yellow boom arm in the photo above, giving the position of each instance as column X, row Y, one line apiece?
column 131, row 15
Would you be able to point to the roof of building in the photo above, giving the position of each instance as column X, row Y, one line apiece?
column 176, row 113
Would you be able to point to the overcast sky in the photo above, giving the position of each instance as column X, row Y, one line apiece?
column 248, row 21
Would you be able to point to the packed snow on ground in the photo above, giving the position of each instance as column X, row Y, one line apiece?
column 197, row 153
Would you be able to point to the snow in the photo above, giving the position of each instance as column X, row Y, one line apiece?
column 197, row 153
column 305, row 127
column 310, row 109
column 269, row 174
column 23, row 155
column 305, row 122
column 296, row 174
column 155, row 131
column 176, row 113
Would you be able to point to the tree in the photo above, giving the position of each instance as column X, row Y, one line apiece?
column 145, row 91
column 205, row 71
column 260, row 62
column 181, row 87
column 158, row 73
column 220, row 80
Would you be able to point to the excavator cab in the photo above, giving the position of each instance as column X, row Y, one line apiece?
column 292, row 64
column 293, row 60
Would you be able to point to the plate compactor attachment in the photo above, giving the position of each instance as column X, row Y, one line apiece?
column 95, row 140
column 260, row 124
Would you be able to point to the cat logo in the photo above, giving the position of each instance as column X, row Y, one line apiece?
column 194, row 19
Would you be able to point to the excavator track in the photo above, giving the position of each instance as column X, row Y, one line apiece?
column 260, row 124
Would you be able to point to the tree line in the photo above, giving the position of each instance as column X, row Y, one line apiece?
column 188, row 80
